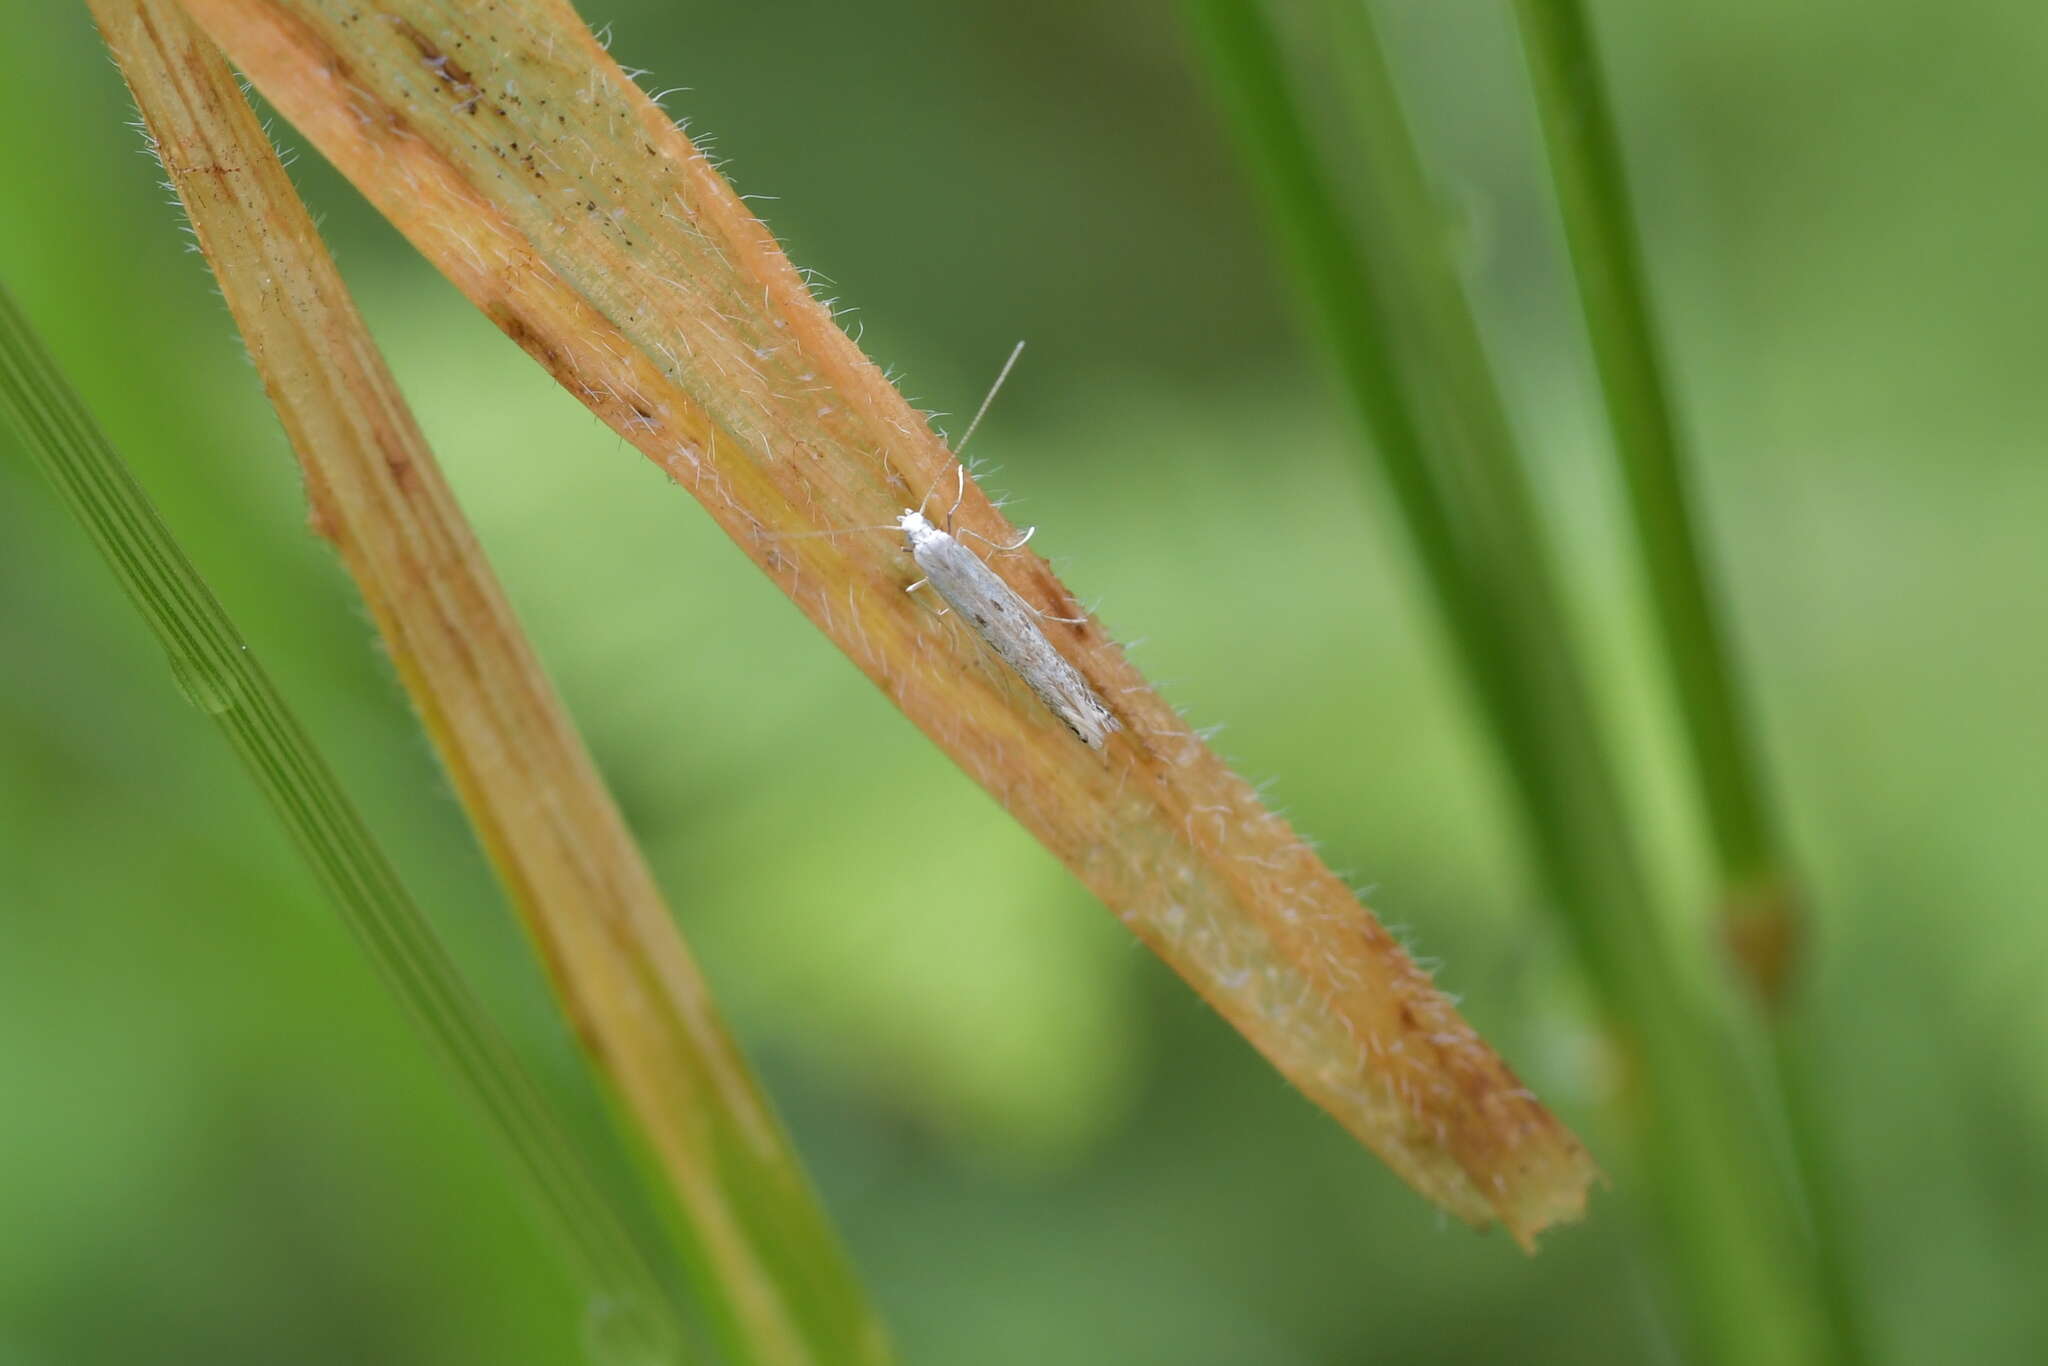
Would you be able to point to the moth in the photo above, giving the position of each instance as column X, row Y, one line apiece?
column 1008, row 624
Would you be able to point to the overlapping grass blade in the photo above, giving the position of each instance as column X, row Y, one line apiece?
column 776, row 1284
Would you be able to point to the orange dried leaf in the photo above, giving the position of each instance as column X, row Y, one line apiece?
column 516, row 155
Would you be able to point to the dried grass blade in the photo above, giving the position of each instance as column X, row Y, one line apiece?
column 517, row 156
column 778, row 1283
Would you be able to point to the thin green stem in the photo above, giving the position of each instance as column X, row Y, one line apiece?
column 1594, row 202
column 1411, row 356
column 1758, row 900
column 214, row 668
column 1344, row 306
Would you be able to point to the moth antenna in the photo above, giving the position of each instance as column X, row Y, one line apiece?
column 993, row 390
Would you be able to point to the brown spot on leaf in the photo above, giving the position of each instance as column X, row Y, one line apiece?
column 444, row 66
column 528, row 338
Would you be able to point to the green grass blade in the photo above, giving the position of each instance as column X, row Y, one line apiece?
column 1732, row 1237
column 1394, row 320
column 1593, row 199
column 1391, row 319
column 216, row 671
column 1758, row 905
column 1339, row 301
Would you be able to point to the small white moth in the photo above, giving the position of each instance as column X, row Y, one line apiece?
column 998, row 615
column 1009, row 625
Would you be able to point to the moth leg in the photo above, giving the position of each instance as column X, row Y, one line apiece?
column 921, row 583
column 1000, row 549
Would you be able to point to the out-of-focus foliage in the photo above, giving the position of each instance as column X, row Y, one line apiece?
column 218, row 1141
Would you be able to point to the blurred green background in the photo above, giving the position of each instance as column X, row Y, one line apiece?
column 219, row 1140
